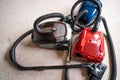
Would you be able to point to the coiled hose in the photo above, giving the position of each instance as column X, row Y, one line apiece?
column 111, row 46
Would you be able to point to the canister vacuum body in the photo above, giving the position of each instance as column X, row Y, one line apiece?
column 55, row 34
column 90, row 46
column 92, row 9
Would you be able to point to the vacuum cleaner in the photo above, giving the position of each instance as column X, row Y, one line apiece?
column 60, row 33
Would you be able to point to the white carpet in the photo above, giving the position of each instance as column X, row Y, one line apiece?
column 17, row 16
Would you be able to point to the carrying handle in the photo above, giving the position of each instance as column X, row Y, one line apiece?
column 47, row 16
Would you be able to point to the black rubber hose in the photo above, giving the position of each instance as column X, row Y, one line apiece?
column 12, row 51
column 77, row 3
column 112, row 53
column 76, row 20
column 67, row 76
column 47, row 16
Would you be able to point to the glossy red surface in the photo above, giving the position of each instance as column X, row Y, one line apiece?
column 90, row 46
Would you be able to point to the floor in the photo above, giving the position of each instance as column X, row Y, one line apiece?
column 17, row 16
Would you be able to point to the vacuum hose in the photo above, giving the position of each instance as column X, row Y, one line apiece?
column 112, row 50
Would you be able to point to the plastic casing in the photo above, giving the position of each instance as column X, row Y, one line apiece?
column 53, row 35
column 90, row 46
column 92, row 11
